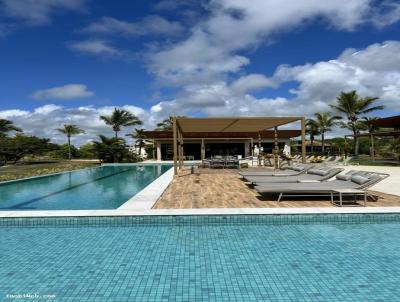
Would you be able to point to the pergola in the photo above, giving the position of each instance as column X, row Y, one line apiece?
column 182, row 125
column 392, row 123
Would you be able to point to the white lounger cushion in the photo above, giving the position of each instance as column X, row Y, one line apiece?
column 358, row 179
column 298, row 168
column 343, row 176
column 318, row 172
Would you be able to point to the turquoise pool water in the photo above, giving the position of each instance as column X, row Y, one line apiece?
column 277, row 258
column 106, row 187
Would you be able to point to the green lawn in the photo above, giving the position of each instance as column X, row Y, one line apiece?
column 29, row 169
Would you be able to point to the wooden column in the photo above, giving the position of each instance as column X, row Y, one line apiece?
column 154, row 149
column 203, row 149
column 175, row 144
column 276, row 148
column 159, row 155
column 303, row 140
column 372, row 146
column 181, row 149
column 259, row 148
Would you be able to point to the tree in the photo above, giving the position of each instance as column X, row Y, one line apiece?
column 111, row 149
column 140, row 137
column 367, row 123
column 166, row 125
column 312, row 130
column 120, row 118
column 324, row 123
column 70, row 130
column 7, row 126
column 86, row 151
column 339, row 145
column 17, row 147
column 393, row 147
column 352, row 105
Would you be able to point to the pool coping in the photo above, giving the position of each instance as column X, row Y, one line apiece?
column 205, row 211
column 148, row 196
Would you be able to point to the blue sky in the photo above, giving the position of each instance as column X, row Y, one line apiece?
column 69, row 61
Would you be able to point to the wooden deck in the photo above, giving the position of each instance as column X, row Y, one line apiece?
column 224, row 189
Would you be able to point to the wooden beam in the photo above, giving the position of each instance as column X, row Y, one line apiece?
column 175, row 145
column 303, row 140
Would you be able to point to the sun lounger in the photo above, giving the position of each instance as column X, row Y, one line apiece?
column 291, row 171
column 312, row 175
column 359, row 180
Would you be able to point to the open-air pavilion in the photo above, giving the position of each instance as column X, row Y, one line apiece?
column 243, row 125
column 387, row 127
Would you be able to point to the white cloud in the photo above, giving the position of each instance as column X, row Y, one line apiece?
column 150, row 25
column 38, row 12
column 54, row 116
column 194, row 60
column 95, row 47
column 387, row 13
column 215, row 46
column 6, row 114
column 66, row 92
column 318, row 85
column 47, row 109
column 252, row 82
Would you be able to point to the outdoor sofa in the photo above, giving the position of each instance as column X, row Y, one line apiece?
column 221, row 162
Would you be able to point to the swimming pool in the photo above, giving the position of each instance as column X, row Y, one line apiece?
column 203, row 258
column 105, row 187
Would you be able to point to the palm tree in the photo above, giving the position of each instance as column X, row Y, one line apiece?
column 367, row 123
column 7, row 126
column 324, row 123
column 140, row 137
column 166, row 125
column 352, row 105
column 120, row 118
column 110, row 149
column 312, row 130
column 70, row 130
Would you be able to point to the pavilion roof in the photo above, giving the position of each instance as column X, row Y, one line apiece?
column 388, row 122
column 232, row 124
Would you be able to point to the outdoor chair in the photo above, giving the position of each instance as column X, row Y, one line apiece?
column 231, row 162
column 206, row 163
column 217, row 162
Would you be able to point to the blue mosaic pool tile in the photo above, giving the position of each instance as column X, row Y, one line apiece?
column 202, row 258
